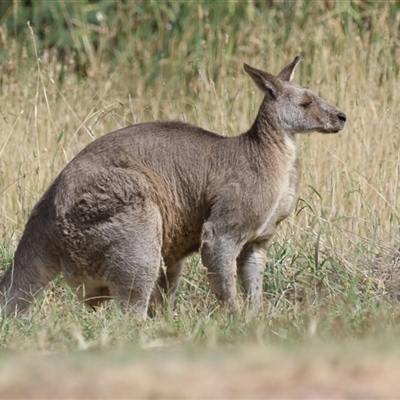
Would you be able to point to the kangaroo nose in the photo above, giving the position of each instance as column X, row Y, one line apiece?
column 342, row 117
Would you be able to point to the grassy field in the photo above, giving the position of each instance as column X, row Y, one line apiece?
column 332, row 279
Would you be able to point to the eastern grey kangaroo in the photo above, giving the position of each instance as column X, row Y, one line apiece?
column 122, row 216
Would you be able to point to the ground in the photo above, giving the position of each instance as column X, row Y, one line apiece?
column 247, row 372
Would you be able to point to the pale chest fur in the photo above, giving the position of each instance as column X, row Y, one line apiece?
column 287, row 195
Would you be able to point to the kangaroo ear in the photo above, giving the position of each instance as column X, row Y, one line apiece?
column 265, row 81
column 288, row 72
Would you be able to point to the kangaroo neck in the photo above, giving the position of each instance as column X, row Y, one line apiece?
column 266, row 130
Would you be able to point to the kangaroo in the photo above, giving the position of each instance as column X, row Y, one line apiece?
column 123, row 215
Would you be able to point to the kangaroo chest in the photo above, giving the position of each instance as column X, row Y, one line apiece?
column 289, row 194
column 286, row 197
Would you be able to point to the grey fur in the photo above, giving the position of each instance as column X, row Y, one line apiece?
column 123, row 215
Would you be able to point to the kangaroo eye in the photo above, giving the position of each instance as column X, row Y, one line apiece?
column 306, row 104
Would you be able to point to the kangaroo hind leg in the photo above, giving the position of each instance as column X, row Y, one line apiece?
column 134, row 260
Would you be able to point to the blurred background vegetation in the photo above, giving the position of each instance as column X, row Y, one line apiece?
column 150, row 33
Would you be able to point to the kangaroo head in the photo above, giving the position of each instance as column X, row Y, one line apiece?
column 296, row 109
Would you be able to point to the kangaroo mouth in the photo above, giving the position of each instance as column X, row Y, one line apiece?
column 333, row 129
column 330, row 131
